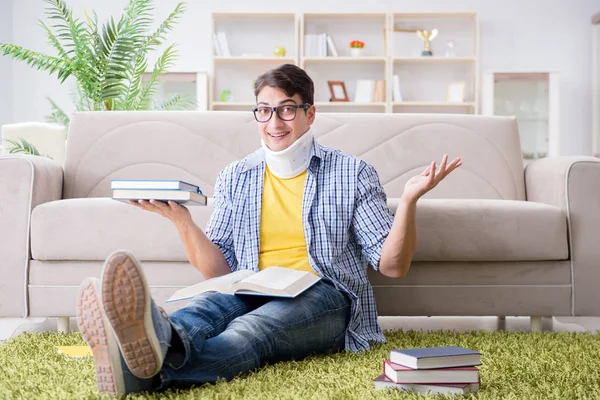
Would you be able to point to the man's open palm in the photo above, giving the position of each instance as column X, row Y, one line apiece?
column 418, row 185
column 169, row 209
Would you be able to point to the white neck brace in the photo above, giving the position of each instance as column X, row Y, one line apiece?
column 292, row 161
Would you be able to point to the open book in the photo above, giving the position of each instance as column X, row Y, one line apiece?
column 273, row 281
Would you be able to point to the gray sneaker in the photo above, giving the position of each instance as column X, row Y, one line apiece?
column 142, row 329
column 112, row 375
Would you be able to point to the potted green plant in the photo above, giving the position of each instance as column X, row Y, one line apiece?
column 106, row 61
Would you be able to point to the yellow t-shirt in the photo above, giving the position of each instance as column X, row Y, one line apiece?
column 282, row 240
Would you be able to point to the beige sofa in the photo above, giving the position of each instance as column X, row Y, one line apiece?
column 493, row 239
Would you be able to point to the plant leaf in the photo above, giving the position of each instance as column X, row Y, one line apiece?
column 58, row 116
column 24, row 147
column 38, row 60
column 107, row 61
column 176, row 101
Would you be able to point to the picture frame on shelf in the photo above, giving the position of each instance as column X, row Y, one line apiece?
column 337, row 90
column 456, row 92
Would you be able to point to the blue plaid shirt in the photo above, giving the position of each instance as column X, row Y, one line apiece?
column 345, row 218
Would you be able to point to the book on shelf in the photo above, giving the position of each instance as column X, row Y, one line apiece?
column 436, row 357
column 223, row 45
column 317, row 45
column 364, row 91
column 272, row 281
column 379, row 91
column 153, row 184
column 181, row 196
column 369, row 91
column 216, row 47
column 383, row 382
column 396, row 93
column 400, row 374
column 331, row 49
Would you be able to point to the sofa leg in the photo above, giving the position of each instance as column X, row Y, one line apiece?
column 501, row 323
column 536, row 324
column 62, row 324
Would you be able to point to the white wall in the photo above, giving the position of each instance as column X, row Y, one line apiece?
column 6, row 65
column 515, row 35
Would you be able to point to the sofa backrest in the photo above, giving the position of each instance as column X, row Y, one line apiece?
column 195, row 146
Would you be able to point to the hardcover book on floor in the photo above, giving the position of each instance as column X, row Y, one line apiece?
column 383, row 382
column 436, row 357
column 401, row 374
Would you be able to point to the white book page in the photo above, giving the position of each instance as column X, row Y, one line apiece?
column 229, row 279
column 219, row 284
column 275, row 277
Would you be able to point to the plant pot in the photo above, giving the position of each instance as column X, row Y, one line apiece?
column 356, row 51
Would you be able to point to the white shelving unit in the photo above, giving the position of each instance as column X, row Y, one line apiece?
column 343, row 28
column 424, row 80
column 533, row 98
column 251, row 40
column 596, row 84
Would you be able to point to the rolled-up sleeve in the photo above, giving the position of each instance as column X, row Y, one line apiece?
column 219, row 229
column 372, row 219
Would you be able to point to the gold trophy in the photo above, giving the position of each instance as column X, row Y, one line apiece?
column 427, row 37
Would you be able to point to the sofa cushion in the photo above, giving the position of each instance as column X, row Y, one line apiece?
column 489, row 230
column 449, row 230
column 92, row 228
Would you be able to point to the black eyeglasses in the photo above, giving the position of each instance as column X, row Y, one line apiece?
column 285, row 112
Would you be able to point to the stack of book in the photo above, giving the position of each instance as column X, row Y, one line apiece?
column 444, row 370
column 164, row 190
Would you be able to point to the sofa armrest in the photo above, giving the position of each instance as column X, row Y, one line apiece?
column 573, row 184
column 25, row 182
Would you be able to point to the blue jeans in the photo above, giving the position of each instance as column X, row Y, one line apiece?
column 218, row 336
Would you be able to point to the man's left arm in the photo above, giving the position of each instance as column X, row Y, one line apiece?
column 401, row 243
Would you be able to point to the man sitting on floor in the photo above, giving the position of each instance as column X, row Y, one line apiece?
column 292, row 203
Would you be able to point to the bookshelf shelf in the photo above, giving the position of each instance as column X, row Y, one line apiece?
column 331, row 59
column 245, row 59
column 434, row 59
column 344, row 16
column 443, row 15
column 234, row 104
column 348, row 103
column 432, row 104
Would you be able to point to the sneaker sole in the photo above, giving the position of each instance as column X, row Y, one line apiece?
column 96, row 332
column 126, row 302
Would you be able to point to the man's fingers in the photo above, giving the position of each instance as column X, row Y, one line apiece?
column 451, row 167
column 158, row 203
column 149, row 206
column 173, row 205
column 432, row 175
column 144, row 204
column 457, row 162
column 135, row 204
column 443, row 163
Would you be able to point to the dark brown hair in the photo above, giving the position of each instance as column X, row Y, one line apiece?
column 290, row 79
